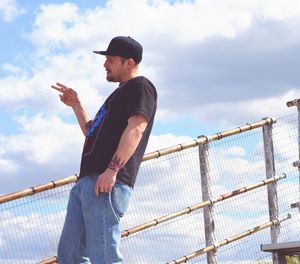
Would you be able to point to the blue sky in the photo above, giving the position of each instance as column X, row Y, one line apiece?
column 216, row 65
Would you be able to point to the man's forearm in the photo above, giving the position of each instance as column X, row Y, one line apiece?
column 129, row 141
column 82, row 117
column 127, row 145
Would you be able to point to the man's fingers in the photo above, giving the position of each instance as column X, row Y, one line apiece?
column 96, row 190
column 60, row 87
column 56, row 88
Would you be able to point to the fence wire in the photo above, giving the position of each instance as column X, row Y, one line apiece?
column 30, row 227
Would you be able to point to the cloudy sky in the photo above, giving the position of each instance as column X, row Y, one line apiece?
column 216, row 65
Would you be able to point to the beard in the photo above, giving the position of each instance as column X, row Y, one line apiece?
column 110, row 77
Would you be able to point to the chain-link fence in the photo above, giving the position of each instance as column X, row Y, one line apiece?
column 30, row 226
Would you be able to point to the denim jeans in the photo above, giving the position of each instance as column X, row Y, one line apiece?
column 91, row 233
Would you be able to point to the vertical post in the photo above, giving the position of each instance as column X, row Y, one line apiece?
column 206, row 195
column 272, row 191
column 298, row 108
column 296, row 102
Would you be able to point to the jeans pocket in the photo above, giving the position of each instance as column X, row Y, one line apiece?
column 120, row 196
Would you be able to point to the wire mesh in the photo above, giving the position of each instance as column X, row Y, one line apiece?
column 30, row 227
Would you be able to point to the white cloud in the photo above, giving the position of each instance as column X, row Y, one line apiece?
column 163, row 141
column 9, row 10
column 14, row 70
column 232, row 114
column 44, row 138
column 229, row 50
column 279, row 9
column 21, row 92
column 52, row 24
column 35, row 224
column 183, row 22
column 46, row 148
column 7, row 167
column 77, row 70
column 237, row 151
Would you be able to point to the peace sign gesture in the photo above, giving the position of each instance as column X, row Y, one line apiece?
column 68, row 96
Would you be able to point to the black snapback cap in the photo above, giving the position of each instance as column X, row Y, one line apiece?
column 125, row 47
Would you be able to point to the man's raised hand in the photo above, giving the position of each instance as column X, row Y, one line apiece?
column 68, row 96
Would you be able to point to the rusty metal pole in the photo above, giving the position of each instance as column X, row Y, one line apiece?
column 206, row 195
column 272, row 188
column 296, row 103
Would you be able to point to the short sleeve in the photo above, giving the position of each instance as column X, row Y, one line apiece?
column 142, row 100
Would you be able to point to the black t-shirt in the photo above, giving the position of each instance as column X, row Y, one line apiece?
column 136, row 96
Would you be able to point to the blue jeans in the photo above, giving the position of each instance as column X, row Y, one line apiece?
column 91, row 233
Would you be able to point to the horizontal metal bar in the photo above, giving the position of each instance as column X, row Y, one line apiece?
column 156, row 154
column 37, row 189
column 229, row 240
column 296, row 163
column 206, row 139
column 295, row 102
column 198, row 206
column 295, row 205
column 51, row 260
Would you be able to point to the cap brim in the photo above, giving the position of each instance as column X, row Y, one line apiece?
column 100, row 52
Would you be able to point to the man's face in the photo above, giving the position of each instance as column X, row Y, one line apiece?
column 116, row 68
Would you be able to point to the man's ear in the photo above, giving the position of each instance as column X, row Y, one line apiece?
column 131, row 63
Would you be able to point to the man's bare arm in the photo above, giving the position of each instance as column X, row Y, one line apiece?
column 69, row 97
column 129, row 141
column 82, row 117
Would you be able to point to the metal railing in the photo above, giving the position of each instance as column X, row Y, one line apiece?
column 208, row 202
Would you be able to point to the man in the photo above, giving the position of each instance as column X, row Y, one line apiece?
column 113, row 150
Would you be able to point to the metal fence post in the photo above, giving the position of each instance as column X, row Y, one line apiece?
column 296, row 103
column 272, row 190
column 206, row 195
